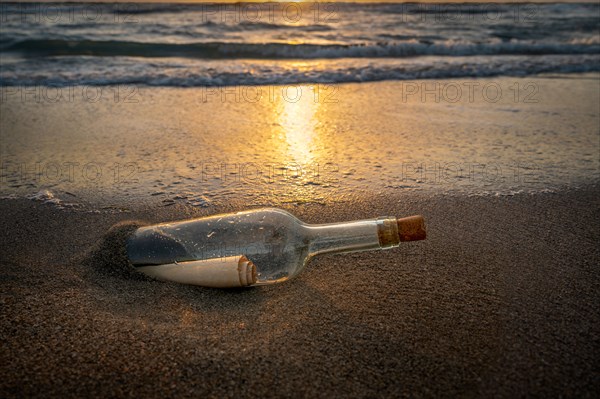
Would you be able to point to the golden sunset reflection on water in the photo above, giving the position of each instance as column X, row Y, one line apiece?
column 296, row 141
column 297, row 118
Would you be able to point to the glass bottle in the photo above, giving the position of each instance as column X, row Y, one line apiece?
column 256, row 247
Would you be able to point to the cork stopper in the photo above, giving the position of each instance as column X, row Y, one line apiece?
column 411, row 228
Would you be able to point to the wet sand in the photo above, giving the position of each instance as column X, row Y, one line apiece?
column 205, row 146
column 501, row 300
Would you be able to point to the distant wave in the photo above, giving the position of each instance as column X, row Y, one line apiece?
column 250, row 25
column 219, row 50
column 89, row 71
column 243, row 26
column 416, row 7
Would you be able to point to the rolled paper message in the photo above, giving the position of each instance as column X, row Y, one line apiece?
column 226, row 272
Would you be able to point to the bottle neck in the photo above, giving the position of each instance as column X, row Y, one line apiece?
column 355, row 236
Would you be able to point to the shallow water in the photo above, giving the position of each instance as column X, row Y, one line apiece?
column 300, row 144
column 113, row 105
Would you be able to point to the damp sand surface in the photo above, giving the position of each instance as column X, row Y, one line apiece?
column 270, row 145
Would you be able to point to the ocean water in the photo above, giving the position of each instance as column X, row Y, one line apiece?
column 192, row 45
column 275, row 103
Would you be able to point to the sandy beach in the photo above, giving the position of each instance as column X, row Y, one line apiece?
column 502, row 305
column 483, row 118
column 500, row 300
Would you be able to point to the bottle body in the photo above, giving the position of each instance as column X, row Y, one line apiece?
column 276, row 245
